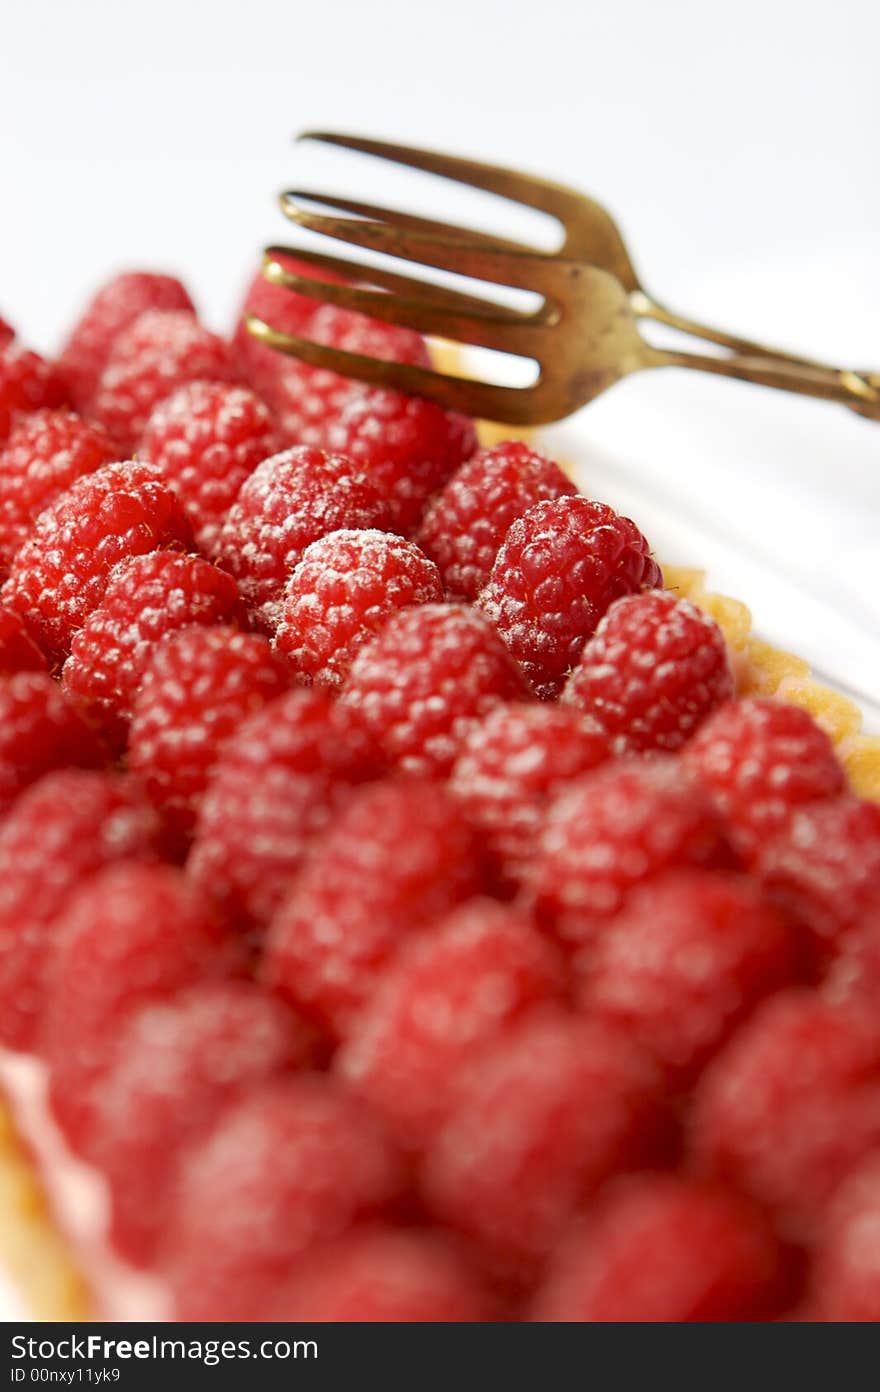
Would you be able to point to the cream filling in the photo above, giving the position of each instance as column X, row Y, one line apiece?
column 79, row 1199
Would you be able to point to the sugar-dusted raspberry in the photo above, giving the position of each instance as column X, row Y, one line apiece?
column 146, row 598
column 159, row 352
column 446, row 993
column 846, row 1268
column 543, row 1117
column 423, row 681
column 663, row 1249
column 408, row 447
column 684, row 962
column 790, row 1106
column 277, row 783
column 45, row 453
column 206, row 439
column 342, row 593
column 285, row 310
column 383, row 1275
column 615, row 829
column 288, row 502
column 467, row 521
column 131, row 933
column 60, row 574
column 7, row 333
column 116, row 305
column 293, row 1164
column 197, row 688
column 18, row 651
column 27, row 383
column 513, row 762
column 760, row 760
column 823, row 868
column 173, row 1066
column 397, row 856
column 60, row 831
column 652, row 672
column 558, row 569
column 40, row 730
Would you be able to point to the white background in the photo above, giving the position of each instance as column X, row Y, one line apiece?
column 737, row 144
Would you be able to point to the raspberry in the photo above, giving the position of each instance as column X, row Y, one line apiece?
column 760, row 760
column 846, row 1273
column 383, row 1275
column 423, row 681
column 27, row 383
column 407, row 446
column 446, row 993
column 157, row 353
column 680, row 966
column 558, row 569
column 288, row 502
column 277, row 783
column 60, row 573
column 197, row 688
column 659, row 1249
column 7, row 333
column 652, row 672
column 467, row 521
column 294, row 1163
column 131, row 933
column 288, row 312
column 542, row 1119
column 174, row 1066
column 40, row 730
column 512, row 763
column 60, row 831
column 146, row 598
column 790, row 1106
column 18, row 651
column 206, row 439
column 45, row 453
column 342, row 592
column 615, row 829
column 115, row 306
column 396, row 857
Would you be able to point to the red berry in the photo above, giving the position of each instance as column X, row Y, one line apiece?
column 790, row 1106
column 283, row 309
column 294, row 1163
column 45, row 453
column 686, row 959
column 397, row 856
column 18, row 651
column 513, row 762
column 652, row 672
column 542, row 1119
column 288, row 502
column 342, row 592
column 197, row 688
column 612, row 830
column 277, row 782
column 40, row 730
column 205, row 440
column 147, row 597
column 558, row 569
column 27, row 383
column 60, row 832
column 174, row 1065
column 446, row 993
column 467, row 521
column 131, row 933
column 7, row 333
column 383, row 1275
column 115, row 306
column 157, row 353
column 60, row 573
column 660, row 1249
column 423, row 681
column 846, row 1271
column 760, row 760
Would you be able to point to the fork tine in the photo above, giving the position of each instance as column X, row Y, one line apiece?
column 397, row 218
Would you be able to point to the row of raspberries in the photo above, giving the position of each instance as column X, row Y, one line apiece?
column 413, row 921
